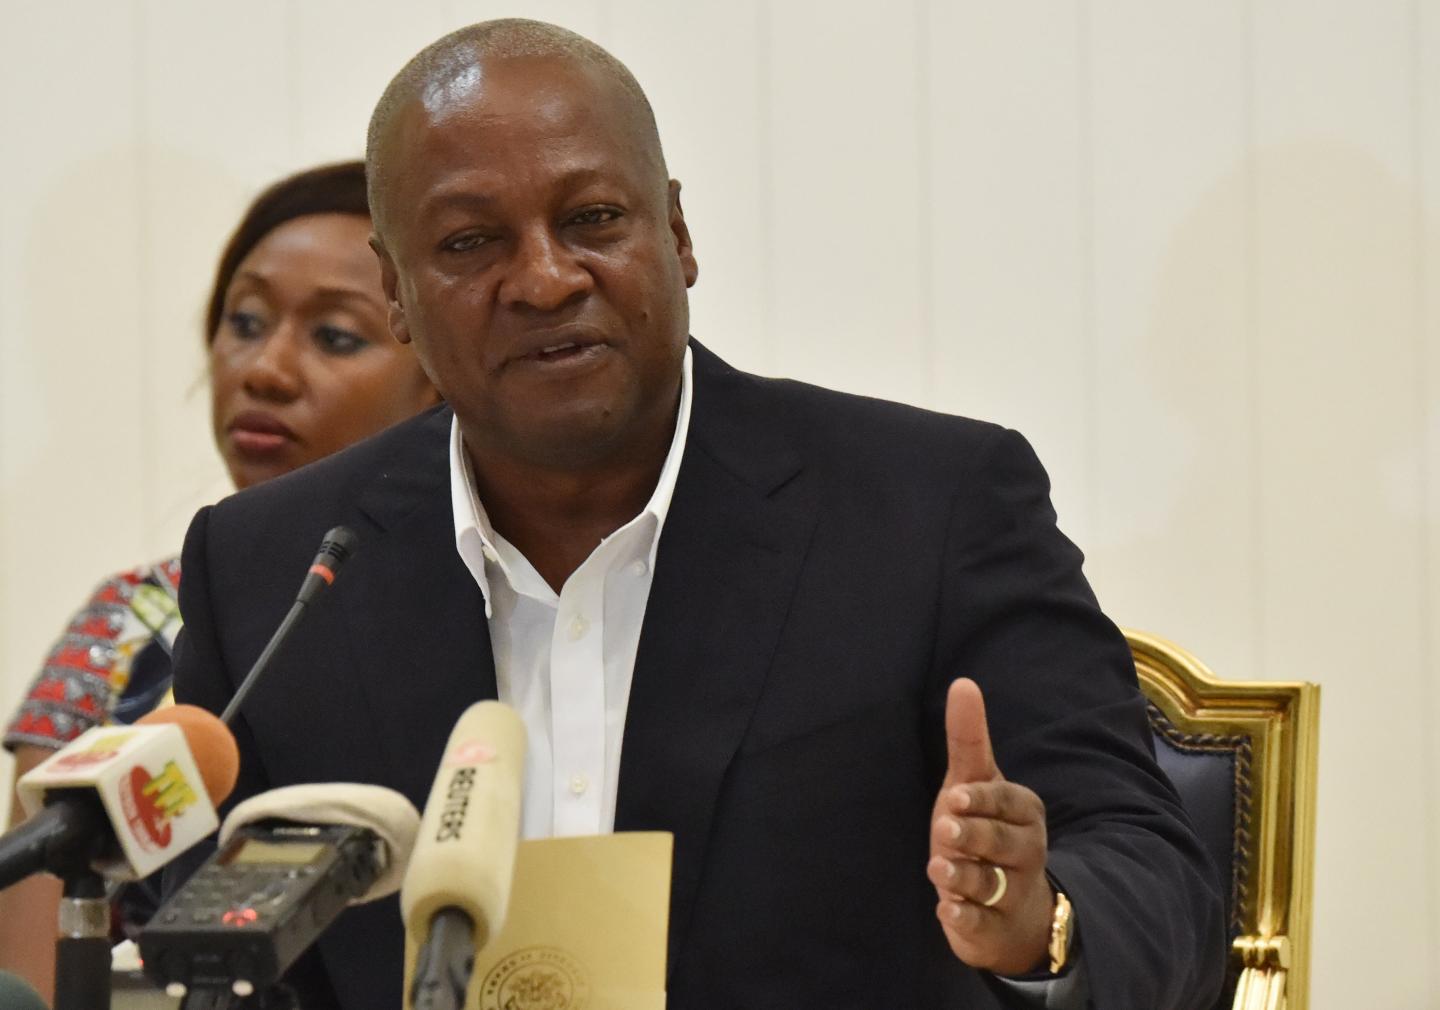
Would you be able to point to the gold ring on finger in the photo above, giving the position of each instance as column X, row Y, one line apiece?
column 1000, row 884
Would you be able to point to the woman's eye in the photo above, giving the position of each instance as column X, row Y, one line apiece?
column 334, row 340
column 247, row 325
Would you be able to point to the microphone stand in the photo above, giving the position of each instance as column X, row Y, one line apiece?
column 278, row 997
column 82, row 950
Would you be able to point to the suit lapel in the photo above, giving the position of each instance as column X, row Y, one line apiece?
column 727, row 564
column 416, row 682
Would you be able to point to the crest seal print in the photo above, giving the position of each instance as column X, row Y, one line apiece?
column 536, row 978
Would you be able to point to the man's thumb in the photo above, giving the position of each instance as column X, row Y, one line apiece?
column 967, row 735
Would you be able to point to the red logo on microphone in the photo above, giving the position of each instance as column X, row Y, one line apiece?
column 151, row 801
column 471, row 753
column 102, row 749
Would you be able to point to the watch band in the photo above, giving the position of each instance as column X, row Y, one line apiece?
column 1060, row 932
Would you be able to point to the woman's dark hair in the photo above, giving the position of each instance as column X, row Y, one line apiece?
column 328, row 189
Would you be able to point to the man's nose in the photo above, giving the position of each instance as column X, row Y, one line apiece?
column 274, row 370
column 543, row 274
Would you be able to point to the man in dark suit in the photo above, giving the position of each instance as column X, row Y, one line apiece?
column 765, row 591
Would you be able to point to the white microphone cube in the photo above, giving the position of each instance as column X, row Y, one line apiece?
column 148, row 783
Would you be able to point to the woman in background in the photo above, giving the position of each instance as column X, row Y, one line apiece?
column 301, row 364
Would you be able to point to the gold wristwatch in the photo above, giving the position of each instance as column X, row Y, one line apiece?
column 1060, row 932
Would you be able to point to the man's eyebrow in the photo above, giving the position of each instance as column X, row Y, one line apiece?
column 584, row 175
column 478, row 198
column 459, row 198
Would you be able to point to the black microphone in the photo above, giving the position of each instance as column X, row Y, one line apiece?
column 335, row 550
column 61, row 838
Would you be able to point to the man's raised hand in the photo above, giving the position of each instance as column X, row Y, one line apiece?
column 987, row 839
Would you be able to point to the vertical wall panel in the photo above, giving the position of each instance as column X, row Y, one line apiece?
column 11, row 657
column 844, row 147
column 1336, row 311
column 584, row 16
column 1006, row 229
column 10, row 259
column 1427, row 126
column 702, row 66
column 1173, row 473
column 70, row 321
column 346, row 51
column 219, row 121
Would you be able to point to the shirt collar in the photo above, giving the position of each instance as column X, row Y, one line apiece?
column 477, row 541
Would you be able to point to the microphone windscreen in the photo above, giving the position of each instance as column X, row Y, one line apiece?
column 390, row 815
column 338, row 545
column 211, row 744
column 465, row 855
column 16, row 994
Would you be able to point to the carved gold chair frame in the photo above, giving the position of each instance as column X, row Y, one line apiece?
column 1272, row 728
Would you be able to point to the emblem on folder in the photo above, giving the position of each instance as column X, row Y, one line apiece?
column 535, row 978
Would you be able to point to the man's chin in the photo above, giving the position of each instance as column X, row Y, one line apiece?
column 583, row 443
column 578, row 437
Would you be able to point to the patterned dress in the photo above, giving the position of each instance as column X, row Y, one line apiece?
column 112, row 664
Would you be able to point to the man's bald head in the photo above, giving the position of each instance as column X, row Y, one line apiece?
column 449, row 73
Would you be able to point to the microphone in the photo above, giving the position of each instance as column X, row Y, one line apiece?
column 16, row 994
column 457, row 887
column 288, row 863
column 335, row 550
column 125, row 799
column 119, row 802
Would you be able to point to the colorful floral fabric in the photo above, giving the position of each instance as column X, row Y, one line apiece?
column 89, row 670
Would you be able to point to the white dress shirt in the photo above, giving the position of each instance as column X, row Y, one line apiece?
column 564, row 661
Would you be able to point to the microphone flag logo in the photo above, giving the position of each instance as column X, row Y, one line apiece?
column 104, row 747
column 151, row 801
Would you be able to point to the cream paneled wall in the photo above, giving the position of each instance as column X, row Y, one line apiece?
column 1191, row 249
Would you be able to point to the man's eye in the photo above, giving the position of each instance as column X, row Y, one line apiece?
column 595, row 215
column 246, row 325
column 334, row 340
column 464, row 243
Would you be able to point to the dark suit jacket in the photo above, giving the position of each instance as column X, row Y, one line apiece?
column 829, row 565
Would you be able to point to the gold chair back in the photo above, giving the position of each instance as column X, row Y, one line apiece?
column 1271, row 730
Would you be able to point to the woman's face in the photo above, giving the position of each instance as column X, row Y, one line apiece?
column 303, row 363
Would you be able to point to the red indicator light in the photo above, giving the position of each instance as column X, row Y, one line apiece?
column 240, row 917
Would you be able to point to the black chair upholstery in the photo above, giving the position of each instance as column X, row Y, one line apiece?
column 1212, row 774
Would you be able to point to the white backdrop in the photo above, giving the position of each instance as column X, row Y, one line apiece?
column 1192, row 249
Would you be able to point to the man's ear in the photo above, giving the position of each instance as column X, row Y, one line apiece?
column 390, row 283
column 684, row 247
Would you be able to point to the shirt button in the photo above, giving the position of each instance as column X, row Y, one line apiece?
column 578, row 784
column 578, row 627
column 638, row 567
column 489, row 553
